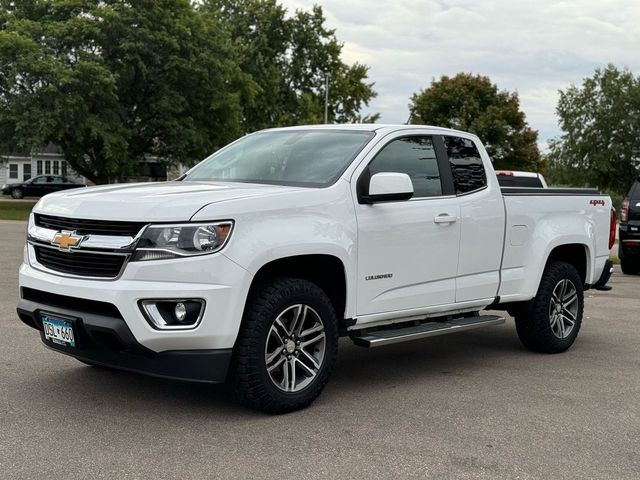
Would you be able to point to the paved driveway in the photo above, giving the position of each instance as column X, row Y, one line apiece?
column 470, row 405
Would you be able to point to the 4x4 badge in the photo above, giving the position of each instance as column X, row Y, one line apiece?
column 65, row 240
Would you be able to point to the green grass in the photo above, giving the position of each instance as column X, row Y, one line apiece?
column 15, row 210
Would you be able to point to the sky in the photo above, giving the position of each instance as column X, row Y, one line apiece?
column 534, row 47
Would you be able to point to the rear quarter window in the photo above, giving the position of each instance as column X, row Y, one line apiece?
column 466, row 164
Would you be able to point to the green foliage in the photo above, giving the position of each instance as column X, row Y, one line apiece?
column 600, row 121
column 472, row 103
column 289, row 58
column 112, row 82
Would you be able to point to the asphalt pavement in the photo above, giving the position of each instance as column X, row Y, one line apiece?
column 473, row 405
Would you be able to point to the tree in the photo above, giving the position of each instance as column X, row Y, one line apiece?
column 472, row 103
column 289, row 58
column 111, row 81
column 600, row 121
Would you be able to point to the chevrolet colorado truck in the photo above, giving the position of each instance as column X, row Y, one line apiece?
column 251, row 266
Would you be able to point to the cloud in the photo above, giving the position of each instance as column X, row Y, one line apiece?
column 535, row 48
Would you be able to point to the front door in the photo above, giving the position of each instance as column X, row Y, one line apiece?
column 408, row 250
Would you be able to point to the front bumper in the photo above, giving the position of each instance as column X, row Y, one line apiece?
column 216, row 279
column 105, row 339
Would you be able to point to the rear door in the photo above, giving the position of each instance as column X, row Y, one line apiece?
column 408, row 249
column 482, row 220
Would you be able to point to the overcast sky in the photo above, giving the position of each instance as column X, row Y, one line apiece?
column 535, row 47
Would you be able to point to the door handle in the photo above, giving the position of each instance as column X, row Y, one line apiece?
column 445, row 218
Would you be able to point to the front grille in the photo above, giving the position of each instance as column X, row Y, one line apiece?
column 89, row 227
column 80, row 263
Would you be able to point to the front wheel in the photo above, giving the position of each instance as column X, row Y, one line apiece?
column 552, row 321
column 286, row 346
column 17, row 193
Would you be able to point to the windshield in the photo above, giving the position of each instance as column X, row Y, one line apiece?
column 313, row 158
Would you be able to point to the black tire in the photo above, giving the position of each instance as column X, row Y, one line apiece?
column 248, row 374
column 535, row 327
column 629, row 266
column 17, row 193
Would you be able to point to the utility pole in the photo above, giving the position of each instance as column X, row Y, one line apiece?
column 326, row 98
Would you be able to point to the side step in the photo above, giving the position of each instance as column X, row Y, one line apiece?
column 379, row 338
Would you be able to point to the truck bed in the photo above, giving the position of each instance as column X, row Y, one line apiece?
column 548, row 191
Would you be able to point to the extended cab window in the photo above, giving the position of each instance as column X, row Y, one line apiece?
column 414, row 156
column 466, row 164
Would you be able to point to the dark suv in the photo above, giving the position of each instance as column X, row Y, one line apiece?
column 629, row 248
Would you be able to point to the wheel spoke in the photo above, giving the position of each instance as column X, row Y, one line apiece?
column 292, row 378
column 568, row 320
column 569, row 314
column 274, row 332
column 309, row 357
column 276, row 365
column 570, row 299
column 316, row 328
column 561, row 325
column 285, row 376
column 298, row 319
column 278, row 323
column 315, row 339
column 310, row 373
column 563, row 288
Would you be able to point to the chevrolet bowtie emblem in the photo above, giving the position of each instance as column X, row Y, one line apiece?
column 65, row 241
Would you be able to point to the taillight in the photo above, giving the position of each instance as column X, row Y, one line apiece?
column 612, row 228
column 504, row 173
column 624, row 213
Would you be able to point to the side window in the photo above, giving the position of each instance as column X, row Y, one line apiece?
column 414, row 156
column 466, row 164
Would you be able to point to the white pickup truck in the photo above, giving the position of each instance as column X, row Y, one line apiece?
column 251, row 266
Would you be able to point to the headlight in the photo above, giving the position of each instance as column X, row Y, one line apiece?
column 159, row 242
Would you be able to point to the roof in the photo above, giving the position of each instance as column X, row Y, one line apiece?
column 368, row 127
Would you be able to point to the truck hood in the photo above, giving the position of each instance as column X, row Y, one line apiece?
column 166, row 201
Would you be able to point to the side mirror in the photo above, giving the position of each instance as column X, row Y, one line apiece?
column 388, row 187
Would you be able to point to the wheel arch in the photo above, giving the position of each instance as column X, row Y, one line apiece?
column 576, row 254
column 326, row 271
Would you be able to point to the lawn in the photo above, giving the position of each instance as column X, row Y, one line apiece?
column 10, row 210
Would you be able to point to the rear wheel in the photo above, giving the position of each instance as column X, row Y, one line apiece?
column 630, row 266
column 286, row 347
column 553, row 318
column 17, row 193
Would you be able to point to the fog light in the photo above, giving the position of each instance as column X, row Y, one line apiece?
column 178, row 314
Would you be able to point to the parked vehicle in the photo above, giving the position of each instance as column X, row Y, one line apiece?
column 629, row 234
column 39, row 186
column 509, row 178
column 250, row 268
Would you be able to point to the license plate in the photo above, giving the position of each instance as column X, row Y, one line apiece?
column 58, row 330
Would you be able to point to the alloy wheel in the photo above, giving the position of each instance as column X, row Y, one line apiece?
column 295, row 348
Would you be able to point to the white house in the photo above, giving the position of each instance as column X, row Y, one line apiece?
column 18, row 167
